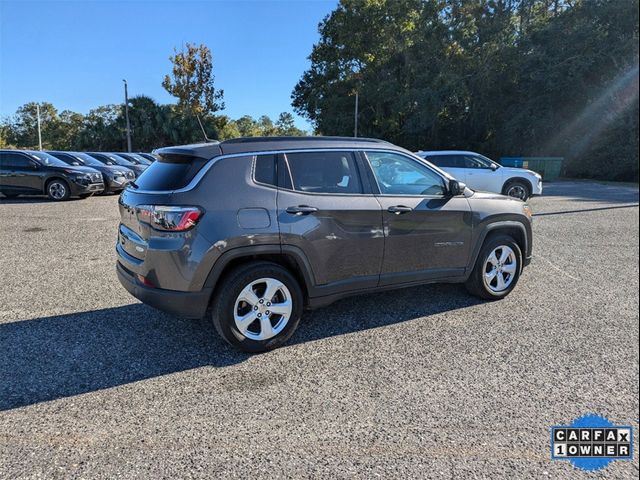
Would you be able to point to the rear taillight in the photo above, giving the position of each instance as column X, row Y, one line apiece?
column 169, row 219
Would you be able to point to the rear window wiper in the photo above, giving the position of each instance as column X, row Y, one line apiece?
column 133, row 184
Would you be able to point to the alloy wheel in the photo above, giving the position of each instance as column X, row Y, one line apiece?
column 57, row 190
column 517, row 191
column 263, row 309
column 500, row 269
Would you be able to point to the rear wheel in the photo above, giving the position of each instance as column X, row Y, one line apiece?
column 497, row 268
column 517, row 189
column 58, row 190
column 258, row 307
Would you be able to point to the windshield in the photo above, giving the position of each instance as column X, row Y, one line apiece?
column 47, row 159
column 86, row 159
column 134, row 158
column 111, row 159
column 118, row 159
column 140, row 159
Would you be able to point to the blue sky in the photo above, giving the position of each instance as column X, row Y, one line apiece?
column 75, row 54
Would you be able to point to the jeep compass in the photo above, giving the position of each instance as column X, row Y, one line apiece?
column 253, row 231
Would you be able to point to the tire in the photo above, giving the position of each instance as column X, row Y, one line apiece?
column 508, row 268
column 242, row 322
column 58, row 190
column 517, row 189
column 86, row 195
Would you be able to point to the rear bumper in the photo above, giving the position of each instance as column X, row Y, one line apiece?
column 183, row 304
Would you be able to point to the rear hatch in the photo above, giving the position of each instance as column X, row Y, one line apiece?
column 157, row 187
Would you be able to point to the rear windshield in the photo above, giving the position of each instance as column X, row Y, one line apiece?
column 170, row 172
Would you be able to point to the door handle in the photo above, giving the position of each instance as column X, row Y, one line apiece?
column 398, row 209
column 301, row 210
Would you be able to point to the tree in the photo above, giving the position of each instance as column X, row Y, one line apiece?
column 67, row 130
column 248, row 127
column 285, row 126
column 192, row 81
column 504, row 77
column 24, row 125
column 103, row 129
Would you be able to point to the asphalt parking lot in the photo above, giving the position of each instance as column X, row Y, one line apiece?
column 423, row 382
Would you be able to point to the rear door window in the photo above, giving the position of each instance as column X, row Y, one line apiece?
column 265, row 169
column 171, row 172
column 446, row 161
column 324, row 172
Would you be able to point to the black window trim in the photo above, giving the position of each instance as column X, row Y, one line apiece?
column 445, row 180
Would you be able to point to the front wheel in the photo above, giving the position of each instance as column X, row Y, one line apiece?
column 58, row 190
column 517, row 190
column 258, row 307
column 497, row 268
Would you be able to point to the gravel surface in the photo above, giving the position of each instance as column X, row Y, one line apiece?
column 422, row 382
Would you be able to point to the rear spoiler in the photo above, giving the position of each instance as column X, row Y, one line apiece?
column 185, row 153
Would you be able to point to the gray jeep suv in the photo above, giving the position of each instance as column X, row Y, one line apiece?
column 255, row 230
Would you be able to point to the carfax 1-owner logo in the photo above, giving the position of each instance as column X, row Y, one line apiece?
column 591, row 442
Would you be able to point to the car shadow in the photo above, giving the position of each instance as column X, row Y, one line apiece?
column 60, row 356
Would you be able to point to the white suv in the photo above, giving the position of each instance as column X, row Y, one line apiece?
column 481, row 173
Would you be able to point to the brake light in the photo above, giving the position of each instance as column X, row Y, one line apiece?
column 169, row 219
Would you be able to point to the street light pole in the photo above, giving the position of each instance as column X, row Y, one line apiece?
column 355, row 126
column 126, row 114
column 39, row 131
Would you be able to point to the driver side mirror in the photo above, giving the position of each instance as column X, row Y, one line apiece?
column 456, row 188
column 494, row 167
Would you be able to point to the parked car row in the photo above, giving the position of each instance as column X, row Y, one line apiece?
column 61, row 175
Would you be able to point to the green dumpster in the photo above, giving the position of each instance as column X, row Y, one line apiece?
column 549, row 167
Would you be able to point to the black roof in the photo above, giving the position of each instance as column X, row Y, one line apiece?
column 256, row 144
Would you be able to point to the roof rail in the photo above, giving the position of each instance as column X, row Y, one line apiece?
column 302, row 139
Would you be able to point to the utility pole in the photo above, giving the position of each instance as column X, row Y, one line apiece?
column 39, row 132
column 126, row 114
column 355, row 126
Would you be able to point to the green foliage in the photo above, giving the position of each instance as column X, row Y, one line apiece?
column 152, row 126
column 504, row 77
column 192, row 80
